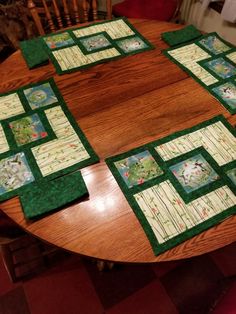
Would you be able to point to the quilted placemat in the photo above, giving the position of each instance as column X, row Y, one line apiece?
column 182, row 184
column 211, row 61
column 39, row 139
column 72, row 50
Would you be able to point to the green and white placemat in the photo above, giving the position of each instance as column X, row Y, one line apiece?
column 211, row 61
column 39, row 141
column 72, row 50
column 182, row 184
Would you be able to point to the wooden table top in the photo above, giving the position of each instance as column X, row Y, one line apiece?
column 120, row 105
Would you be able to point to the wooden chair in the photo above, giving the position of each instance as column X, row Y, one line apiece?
column 22, row 254
column 64, row 13
column 163, row 10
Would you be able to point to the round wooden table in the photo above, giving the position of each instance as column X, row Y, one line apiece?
column 120, row 105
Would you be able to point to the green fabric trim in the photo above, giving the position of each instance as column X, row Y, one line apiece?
column 33, row 52
column 39, row 179
column 130, row 192
column 29, row 53
column 43, row 198
column 184, row 35
column 213, row 56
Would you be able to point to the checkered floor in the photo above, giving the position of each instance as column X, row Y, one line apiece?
column 72, row 285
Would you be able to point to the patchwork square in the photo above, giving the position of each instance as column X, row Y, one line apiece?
column 27, row 129
column 221, row 67
column 59, row 40
column 214, row 44
column 232, row 175
column 95, row 42
column 138, row 168
column 14, row 173
column 131, row 44
column 194, row 173
column 40, row 96
column 227, row 93
column 10, row 106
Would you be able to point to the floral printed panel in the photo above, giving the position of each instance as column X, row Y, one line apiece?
column 14, row 173
column 138, row 168
column 59, row 40
column 227, row 92
column 40, row 96
column 27, row 130
column 214, row 44
column 194, row 173
column 131, row 44
column 232, row 174
column 221, row 67
column 95, row 42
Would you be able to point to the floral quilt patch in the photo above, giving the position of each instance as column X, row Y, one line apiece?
column 227, row 93
column 14, row 173
column 194, row 173
column 221, row 67
column 58, row 40
column 138, row 168
column 214, row 44
column 95, row 42
column 131, row 44
column 28, row 129
column 40, row 96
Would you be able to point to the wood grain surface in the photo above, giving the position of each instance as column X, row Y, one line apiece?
column 120, row 105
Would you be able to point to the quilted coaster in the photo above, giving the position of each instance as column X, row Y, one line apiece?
column 34, row 53
column 42, row 198
column 182, row 184
column 181, row 36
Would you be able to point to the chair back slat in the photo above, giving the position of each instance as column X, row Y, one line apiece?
column 67, row 14
column 64, row 13
column 57, row 13
column 76, row 11
column 95, row 10
column 49, row 17
column 85, row 10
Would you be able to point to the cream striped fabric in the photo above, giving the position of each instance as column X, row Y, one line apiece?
column 215, row 138
column 169, row 216
column 189, row 55
column 4, row 147
column 10, row 106
column 115, row 29
column 62, row 152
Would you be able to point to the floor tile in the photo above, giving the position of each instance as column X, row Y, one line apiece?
column 227, row 304
column 14, row 302
column 152, row 299
column 163, row 268
column 123, row 280
column 225, row 258
column 63, row 291
column 194, row 285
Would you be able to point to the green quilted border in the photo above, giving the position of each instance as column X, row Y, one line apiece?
column 27, row 148
column 77, row 43
column 213, row 56
column 130, row 192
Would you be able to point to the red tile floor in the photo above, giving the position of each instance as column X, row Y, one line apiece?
column 73, row 285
